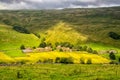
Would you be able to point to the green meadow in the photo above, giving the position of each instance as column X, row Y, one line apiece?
column 83, row 32
column 60, row 72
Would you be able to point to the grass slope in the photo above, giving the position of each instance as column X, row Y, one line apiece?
column 10, row 40
column 88, row 26
column 96, row 23
column 5, row 58
column 60, row 72
column 63, row 32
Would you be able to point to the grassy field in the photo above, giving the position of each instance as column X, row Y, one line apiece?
column 89, row 27
column 60, row 72
column 11, row 40
column 80, row 27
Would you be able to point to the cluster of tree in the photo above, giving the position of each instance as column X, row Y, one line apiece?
column 85, row 48
column 64, row 44
column 21, row 29
column 43, row 44
column 113, row 58
column 114, row 35
column 82, row 61
column 63, row 60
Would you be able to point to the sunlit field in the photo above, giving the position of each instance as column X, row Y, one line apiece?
column 60, row 72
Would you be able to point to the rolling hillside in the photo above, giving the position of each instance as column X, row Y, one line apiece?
column 10, row 40
column 63, row 32
column 95, row 23
column 97, row 28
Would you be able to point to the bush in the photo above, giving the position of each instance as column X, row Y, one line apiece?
column 67, row 60
column 6, row 21
column 57, row 44
column 49, row 44
column 48, row 61
column 113, row 62
column 43, row 44
column 61, row 50
column 57, row 60
column 90, row 50
column 112, row 56
column 3, row 63
column 22, row 62
column 119, row 60
column 22, row 47
column 78, row 48
column 114, row 35
column 21, row 29
column 84, row 48
column 34, row 47
column 89, row 61
column 66, row 44
column 19, row 75
column 82, row 60
column 95, row 52
column 39, row 61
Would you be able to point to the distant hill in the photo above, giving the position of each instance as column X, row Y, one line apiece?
column 83, row 26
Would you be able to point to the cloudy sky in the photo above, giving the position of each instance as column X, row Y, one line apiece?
column 56, row 4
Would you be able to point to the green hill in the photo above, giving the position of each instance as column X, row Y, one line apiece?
column 63, row 32
column 96, row 23
column 97, row 28
column 10, row 40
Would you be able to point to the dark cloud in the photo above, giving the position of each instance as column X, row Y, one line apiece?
column 55, row 4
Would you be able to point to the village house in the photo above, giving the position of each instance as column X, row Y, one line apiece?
column 46, row 49
column 64, row 49
column 108, row 51
column 27, row 50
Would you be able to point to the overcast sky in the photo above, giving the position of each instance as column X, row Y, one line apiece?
column 56, row 4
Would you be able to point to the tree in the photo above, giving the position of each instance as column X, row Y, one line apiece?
column 57, row 60
column 82, row 60
column 84, row 48
column 78, row 48
column 67, row 60
column 22, row 47
column 89, row 61
column 119, row 60
column 43, row 44
column 112, row 56
column 48, row 61
column 90, row 50
column 49, row 44
column 66, row 44
column 57, row 44
column 61, row 50
column 34, row 47
column 21, row 29
column 95, row 52
column 114, row 35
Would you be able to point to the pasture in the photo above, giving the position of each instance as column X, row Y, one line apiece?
column 60, row 72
